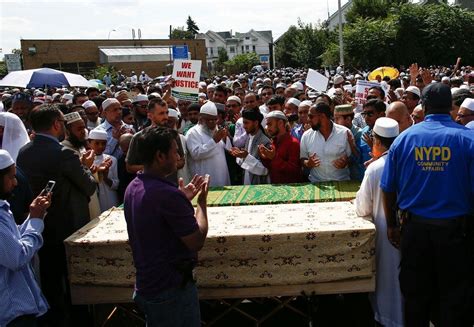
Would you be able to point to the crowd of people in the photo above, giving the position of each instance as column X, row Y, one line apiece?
column 134, row 143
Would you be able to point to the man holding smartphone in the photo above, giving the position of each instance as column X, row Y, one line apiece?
column 21, row 297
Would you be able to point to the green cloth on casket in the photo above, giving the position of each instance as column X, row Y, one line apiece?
column 278, row 194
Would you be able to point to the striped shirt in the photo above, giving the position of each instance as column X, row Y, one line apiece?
column 19, row 292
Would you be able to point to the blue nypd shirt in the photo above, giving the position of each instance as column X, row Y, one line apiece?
column 431, row 168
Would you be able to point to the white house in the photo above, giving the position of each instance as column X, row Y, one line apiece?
column 252, row 41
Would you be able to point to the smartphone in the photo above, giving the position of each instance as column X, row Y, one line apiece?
column 48, row 188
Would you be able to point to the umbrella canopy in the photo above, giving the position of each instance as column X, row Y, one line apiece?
column 97, row 83
column 382, row 72
column 43, row 77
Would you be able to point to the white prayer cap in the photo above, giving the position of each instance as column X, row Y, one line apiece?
column 119, row 93
column 297, row 85
column 386, row 127
column 338, row 79
column 234, row 98
column 445, row 79
column 88, row 104
column 418, row 107
column 140, row 97
column 5, row 159
column 98, row 134
column 468, row 103
column 414, row 90
column 306, row 103
column 294, row 101
column 280, row 85
column 143, row 72
column 156, row 95
column 69, row 102
column 1, row 107
column 209, row 108
column 202, row 95
column 266, row 79
column 211, row 86
column 202, row 84
column 464, row 87
column 56, row 95
column 358, row 76
column 67, row 96
column 276, row 114
column 173, row 113
column 454, row 90
column 72, row 117
column 108, row 102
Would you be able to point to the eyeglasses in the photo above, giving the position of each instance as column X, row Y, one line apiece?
column 367, row 113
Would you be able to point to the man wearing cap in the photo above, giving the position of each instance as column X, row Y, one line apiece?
column 411, row 97
column 140, row 105
column 325, row 148
column 398, row 111
column 248, row 157
column 291, row 110
column 107, row 79
column 466, row 112
column 144, row 77
column 344, row 115
column 303, row 123
column 429, row 176
column 46, row 159
column 22, row 300
column 133, row 77
column 22, row 104
column 114, row 126
column 210, row 91
column 387, row 301
column 207, row 145
column 92, row 114
column 282, row 157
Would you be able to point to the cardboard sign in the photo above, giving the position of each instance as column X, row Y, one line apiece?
column 186, row 74
column 13, row 62
column 362, row 88
column 316, row 81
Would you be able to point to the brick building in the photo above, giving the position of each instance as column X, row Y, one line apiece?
column 82, row 56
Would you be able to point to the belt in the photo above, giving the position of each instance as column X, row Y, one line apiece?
column 443, row 222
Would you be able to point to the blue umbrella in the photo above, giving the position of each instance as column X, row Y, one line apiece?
column 43, row 77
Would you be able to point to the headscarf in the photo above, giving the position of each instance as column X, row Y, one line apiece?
column 15, row 135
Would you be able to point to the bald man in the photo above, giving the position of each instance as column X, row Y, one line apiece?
column 399, row 112
column 418, row 115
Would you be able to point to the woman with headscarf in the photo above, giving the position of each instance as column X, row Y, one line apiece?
column 13, row 136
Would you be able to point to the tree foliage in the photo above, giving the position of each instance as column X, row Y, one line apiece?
column 222, row 58
column 384, row 32
column 241, row 63
column 179, row 33
column 192, row 26
column 100, row 71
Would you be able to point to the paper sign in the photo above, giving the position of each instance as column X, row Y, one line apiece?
column 180, row 52
column 362, row 88
column 317, row 81
column 186, row 74
column 347, row 88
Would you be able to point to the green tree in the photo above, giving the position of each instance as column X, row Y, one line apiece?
column 330, row 56
column 375, row 9
column 100, row 71
column 285, row 48
column 192, row 26
column 222, row 58
column 3, row 68
column 179, row 33
column 241, row 63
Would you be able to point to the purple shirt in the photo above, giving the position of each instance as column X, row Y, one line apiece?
column 157, row 215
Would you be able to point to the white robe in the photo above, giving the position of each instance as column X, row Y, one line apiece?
column 252, row 165
column 107, row 195
column 387, row 300
column 206, row 156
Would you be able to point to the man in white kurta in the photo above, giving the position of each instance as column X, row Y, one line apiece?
column 387, row 301
column 207, row 145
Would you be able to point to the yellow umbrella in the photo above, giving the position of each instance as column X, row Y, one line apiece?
column 382, row 72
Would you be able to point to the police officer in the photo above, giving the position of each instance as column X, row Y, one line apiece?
column 429, row 176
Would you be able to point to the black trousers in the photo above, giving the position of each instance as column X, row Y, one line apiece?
column 436, row 275
column 23, row 321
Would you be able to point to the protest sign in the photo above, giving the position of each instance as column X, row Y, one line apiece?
column 186, row 74
column 316, row 81
column 362, row 88
column 180, row 52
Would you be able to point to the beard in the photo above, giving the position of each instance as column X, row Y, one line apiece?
column 76, row 142
column 7, row 196
column 316, row 127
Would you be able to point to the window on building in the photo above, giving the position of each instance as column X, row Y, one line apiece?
column 247, row 38
column 242, row 49
column 253, row 48
column 232, row 49
column 247, row 48
column 212, row 51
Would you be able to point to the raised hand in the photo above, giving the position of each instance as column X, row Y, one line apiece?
column 87, row 158
column 267, row 153
column 368, row 139
column 413, row 72
column 202, row 197
column 239, row 153
column 351, row 141
column 219, row 135
column 341, row 163
column 39, row 206
column 192, row 188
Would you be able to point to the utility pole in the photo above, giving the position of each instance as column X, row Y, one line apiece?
column 341, row 43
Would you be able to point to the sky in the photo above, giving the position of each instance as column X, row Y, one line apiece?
column 95, row 19
column 99, row 19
